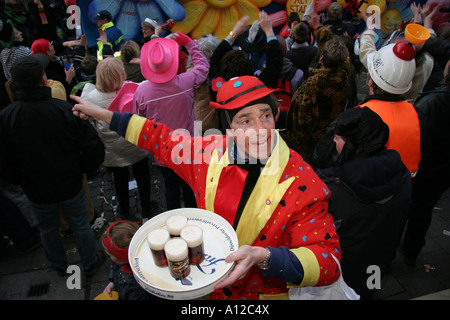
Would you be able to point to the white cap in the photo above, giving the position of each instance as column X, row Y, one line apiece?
column 176, row 223
column 389, row 71
column 193, row 235
column 151, row 22
column 158, row 238
column 176, row 249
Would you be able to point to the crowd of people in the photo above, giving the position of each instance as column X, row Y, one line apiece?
column 301, row 166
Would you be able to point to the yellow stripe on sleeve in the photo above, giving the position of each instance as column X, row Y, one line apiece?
column 134, row 128
column 310, row 266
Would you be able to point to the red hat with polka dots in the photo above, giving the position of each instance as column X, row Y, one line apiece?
column 238, row 92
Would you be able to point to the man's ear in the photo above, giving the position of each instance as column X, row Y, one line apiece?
column 370, row 85
column 44, row 79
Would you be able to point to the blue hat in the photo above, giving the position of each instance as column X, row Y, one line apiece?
column 104, row 14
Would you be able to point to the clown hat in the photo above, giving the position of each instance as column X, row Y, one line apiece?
column 123, row 102
column 393, row 67
column 238, row 92
column 159, row 60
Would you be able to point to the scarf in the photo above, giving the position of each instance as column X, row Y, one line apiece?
column 41, row 12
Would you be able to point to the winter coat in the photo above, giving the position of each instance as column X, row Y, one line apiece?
column 318, row 101
column 370, row 198
column 172, row 102
column 45, row 148
column 433, row 109
column 126, row 285
column 118, row 151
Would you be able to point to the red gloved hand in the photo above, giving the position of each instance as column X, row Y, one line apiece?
column 182, row 39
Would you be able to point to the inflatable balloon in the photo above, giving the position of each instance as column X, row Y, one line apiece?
column 389, row 20
column 128, row 15
column 216, row 17
column 278, row 18
column 300, row 6
column 322, row 5
column 297, row 6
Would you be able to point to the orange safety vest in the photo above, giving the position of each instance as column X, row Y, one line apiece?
column 404, row 129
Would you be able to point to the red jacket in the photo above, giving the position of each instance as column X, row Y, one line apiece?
column 288, row 205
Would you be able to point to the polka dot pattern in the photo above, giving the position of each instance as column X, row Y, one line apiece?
column 300, row 218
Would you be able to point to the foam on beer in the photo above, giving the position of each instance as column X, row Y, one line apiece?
column 193, row 235
column 158, row 238
column 176, row 249
column 176, row 223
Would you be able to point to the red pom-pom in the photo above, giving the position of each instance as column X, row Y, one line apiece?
column 404, row 51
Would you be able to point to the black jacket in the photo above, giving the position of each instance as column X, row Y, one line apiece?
column 433, row 109
column 370, row 198
column 126, row 285
column 45, row 148
column 269, row 75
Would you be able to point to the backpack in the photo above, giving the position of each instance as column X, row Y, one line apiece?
column 284, row 95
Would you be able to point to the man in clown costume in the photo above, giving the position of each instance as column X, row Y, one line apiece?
column 271, row 196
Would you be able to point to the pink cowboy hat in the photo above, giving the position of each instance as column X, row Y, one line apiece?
column 123, row 102
column 159, row 60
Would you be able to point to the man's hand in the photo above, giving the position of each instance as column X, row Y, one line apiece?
column 266, row 23
column 245, row 258
column 239, row 28
column 85, row 109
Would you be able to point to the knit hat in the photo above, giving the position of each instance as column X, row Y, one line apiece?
column 27, row 71
column 40, row 46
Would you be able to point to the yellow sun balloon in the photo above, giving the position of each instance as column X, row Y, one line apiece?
column 216, row 17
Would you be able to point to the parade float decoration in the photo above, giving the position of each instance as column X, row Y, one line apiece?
column 216, row 17
column 200, row 17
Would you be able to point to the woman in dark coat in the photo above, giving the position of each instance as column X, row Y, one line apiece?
column 370, row 197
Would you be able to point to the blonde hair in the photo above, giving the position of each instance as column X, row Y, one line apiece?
column 129, row 50
column 110, row 75
column 122, row 233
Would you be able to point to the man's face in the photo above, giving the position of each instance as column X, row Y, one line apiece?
column 18, row 35
column 147, row 32
column 253, row 130
column 101, row 22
